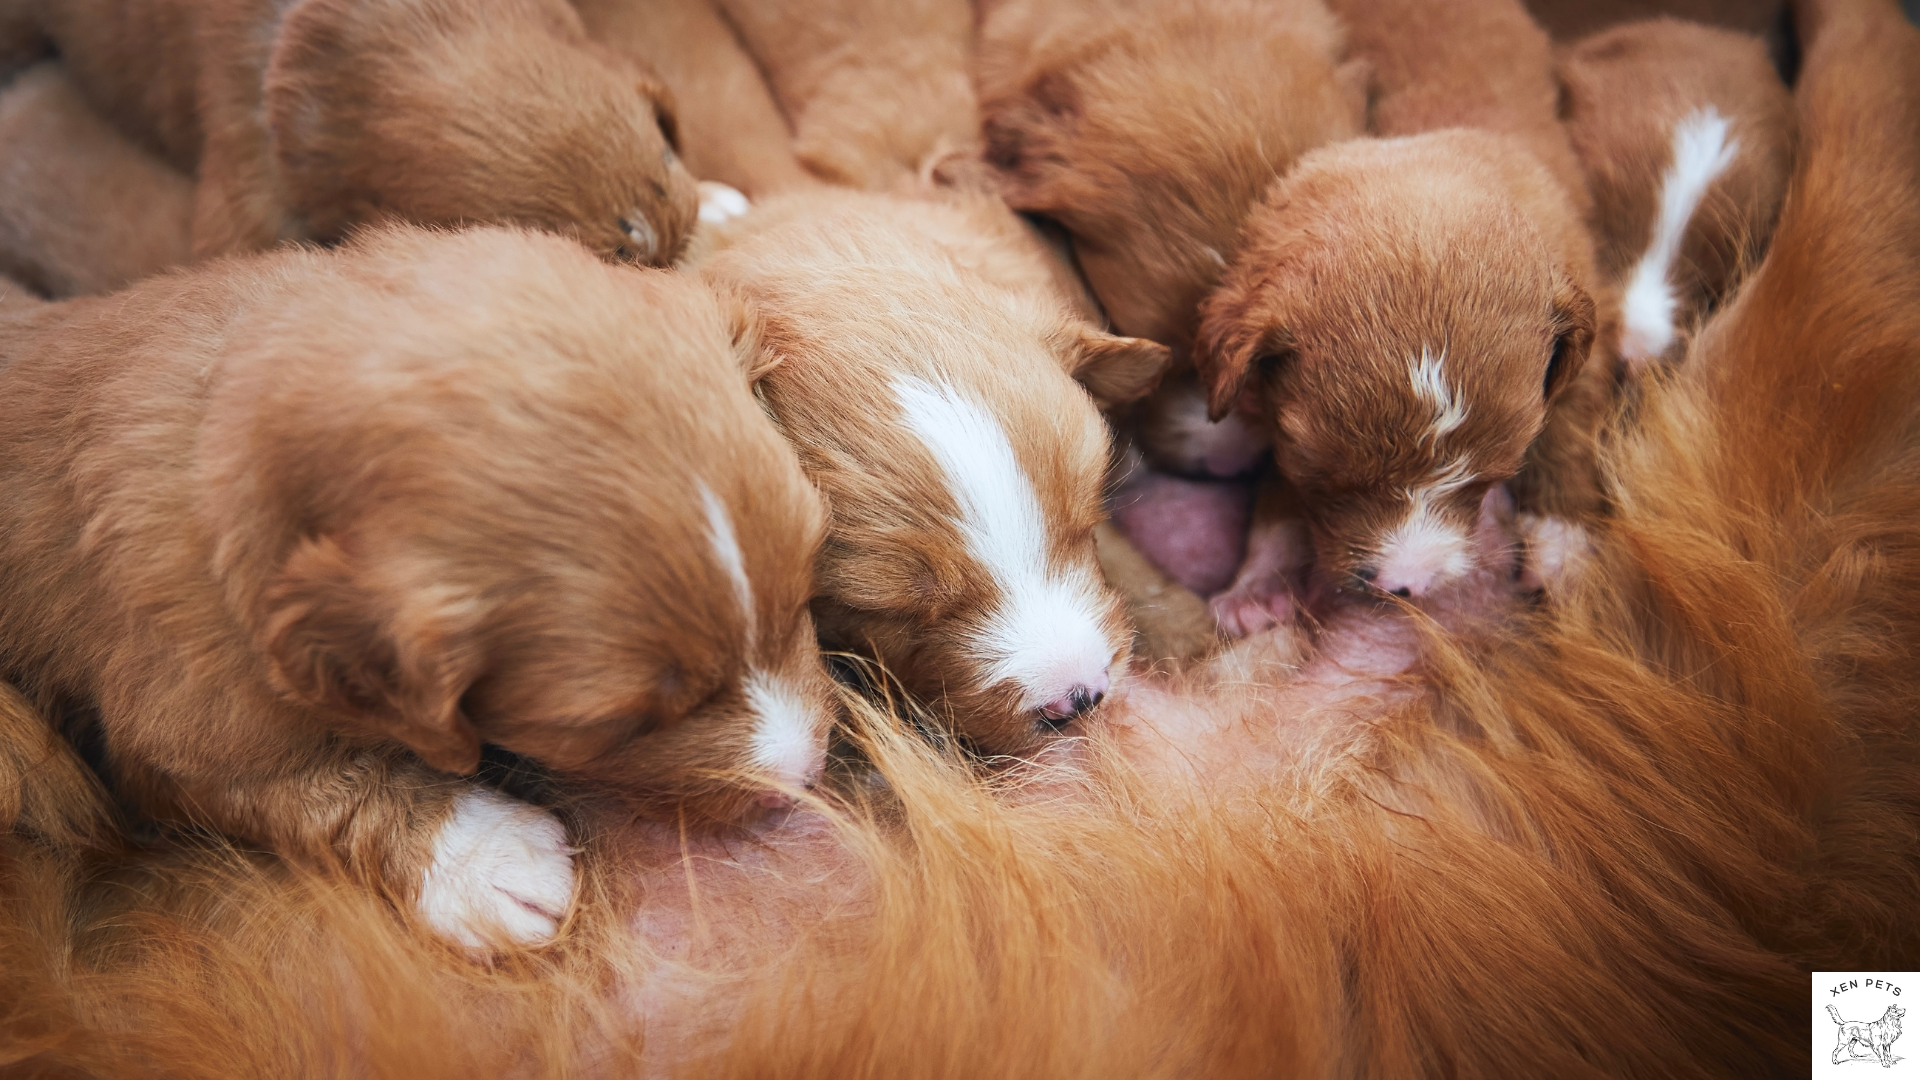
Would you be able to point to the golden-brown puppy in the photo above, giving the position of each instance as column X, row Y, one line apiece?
column 1686, row 134
column 1148, row 130
column 731, row 129
column 875, row 89
column 917, row 361
column 82, row 209
column 301, row 566
column 303, row 120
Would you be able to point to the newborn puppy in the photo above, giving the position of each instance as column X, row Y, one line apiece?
column 927, row 377
column 303, row 120
column 1149, row 130
column 1403, row 316
column 82, row 209
column 301, row 566
column 1686, row 134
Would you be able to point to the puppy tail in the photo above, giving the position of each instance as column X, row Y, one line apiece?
column 46, row 791
column 1835, row 1013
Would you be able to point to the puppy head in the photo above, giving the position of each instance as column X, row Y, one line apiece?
column 572, row 535
column 951, row 425
column 1403, row 330
column 441, row 113
column 1150, row 139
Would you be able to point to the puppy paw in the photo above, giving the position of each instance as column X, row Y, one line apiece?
column 720, row 204
column 501, row 871
column 1556, row 550
column 1252, row 606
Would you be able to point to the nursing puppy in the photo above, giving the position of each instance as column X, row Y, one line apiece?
column 731, row 129
column 306, row 119
column 301, row 567
column 914, row 357
column 82, row 209
column 875, row 89
column 1686, row 136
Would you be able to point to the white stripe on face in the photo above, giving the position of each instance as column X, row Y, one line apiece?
column 1701, row 152
column 1424, row 549
column 1430, row 385
column 1045, row 634
column 786, row 740
column 726, row 547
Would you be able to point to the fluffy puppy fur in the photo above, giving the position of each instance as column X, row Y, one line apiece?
column 260, row 552
column 927, row 378
column 82, row 209
column 17, row 297
column 1148, row 130
column 1571, row 20
column 875, row 89
column 304, row 120
column 1632, row 820
column 731, row 129
column 1686, row 135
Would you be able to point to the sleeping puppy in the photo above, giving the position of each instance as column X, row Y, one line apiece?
column 1403, row 316
column 875, row 89
column 82, row 209
column 731, row 129
column 303, row 120
column 913, row 354
column 1686, row 134
column 302, row 566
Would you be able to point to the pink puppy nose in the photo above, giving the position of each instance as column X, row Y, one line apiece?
column 1075, row 702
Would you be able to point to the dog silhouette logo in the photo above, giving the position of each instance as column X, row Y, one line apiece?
column 1860, row 1040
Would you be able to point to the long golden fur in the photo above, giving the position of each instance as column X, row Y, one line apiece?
column 1605, row 838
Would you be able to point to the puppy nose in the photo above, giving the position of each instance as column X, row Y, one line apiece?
column 1075, row 702
column 1402, row 585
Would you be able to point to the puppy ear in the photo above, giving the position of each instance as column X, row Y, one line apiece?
column 1026, row 136
column 1115, row 369
column 754, row 340
column 1235, row 342
column 394, row 665
column 1573, row 329
column 665, row 110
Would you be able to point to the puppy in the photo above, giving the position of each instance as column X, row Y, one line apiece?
column 928, row 381
column 302, row 566
column 731, row 129
column 82, row 209
column 304, row 120
column 1858, row 1038
column 1149, row 130
column 1686, row 136
column 876, row 89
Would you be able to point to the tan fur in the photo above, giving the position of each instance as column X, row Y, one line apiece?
column 1150, row 130
column 875, row 89
column 15, row 296
column 306, row 120
column 731, row 129
column 261, row 551
column 856, row 291
column 1624, row 91
column 82, row 209
column 1571, row 20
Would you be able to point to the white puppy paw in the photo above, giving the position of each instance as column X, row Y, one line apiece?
column 501, row 871
column 1556, row 550
column 1252, row 605
column 720, row 203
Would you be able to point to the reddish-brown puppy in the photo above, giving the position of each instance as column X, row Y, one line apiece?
column 82, row 209
column 302, row 566
column 914, row 355
column 1686, row 135
column 304, row 120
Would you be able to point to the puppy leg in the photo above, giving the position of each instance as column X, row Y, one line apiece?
column 1264, row 594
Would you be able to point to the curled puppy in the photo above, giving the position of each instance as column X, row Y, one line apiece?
column 82, row 209
column 304, row 120
column 1404, row 317
column 302, row 566
column 930, row 387
column 1686, row 135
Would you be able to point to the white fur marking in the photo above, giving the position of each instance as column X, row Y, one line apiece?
column 501, row 870
column 1424, row 550
column 1701, row 152
column 1430, row 383
column 786, row 742
column 721, row 203
column 727, row 547
column 1046, row 632
column 640, row 231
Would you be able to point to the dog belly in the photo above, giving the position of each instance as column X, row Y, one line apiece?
column 1195, row 531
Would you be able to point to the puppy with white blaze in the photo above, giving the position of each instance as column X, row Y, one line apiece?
column 301, row 566
column 914, row 356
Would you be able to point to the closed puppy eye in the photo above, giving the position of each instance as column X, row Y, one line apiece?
column 639, row 230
